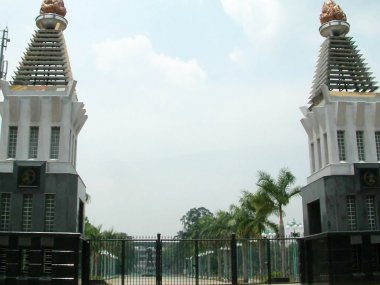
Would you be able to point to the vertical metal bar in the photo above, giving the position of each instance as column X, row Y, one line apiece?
column 123, row 261
column 234, row 275
column 107, row 258
column 158, row 260
column 196, row 262
column 4, row 41
column 269, row 265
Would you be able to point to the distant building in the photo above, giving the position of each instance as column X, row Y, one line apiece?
column 40, row 189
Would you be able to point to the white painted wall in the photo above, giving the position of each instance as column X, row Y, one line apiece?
column 45, row 108
column 346, row 111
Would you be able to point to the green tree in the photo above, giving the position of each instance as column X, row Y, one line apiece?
column 264, row 209
column 91, row 231
column 220, row 225
column 251, row 218
column 109, row 241
column 260, row 209
column 278, row 192
column 192, row 222
column 223, row 225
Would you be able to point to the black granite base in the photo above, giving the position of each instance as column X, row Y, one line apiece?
column 341, row 258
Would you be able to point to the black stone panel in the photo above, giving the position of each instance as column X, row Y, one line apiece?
column 65, row 264
column 332, row 192
column 64, row 186
column 339, row 259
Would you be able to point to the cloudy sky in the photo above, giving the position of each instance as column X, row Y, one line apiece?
column 188, row 99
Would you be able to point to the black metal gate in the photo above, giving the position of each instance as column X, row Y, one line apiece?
column 166, row 261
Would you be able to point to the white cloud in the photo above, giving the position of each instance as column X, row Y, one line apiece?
column 135, row 57
column 237, row 56
column 259, row 18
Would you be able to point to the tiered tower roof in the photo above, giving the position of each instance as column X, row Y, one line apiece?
column 340, row 67
column 46, row 61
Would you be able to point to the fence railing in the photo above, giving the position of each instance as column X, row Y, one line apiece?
column 196, row 261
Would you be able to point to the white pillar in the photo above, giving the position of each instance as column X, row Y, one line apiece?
column 369, row 134
column 45, row 130
column 64, row 146
column 350, row 134
column 4, row 129
column 23, row 129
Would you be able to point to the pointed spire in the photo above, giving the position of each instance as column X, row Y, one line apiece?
column 341, row 67
column 46, row 61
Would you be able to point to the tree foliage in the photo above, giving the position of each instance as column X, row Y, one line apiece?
column 250, row 217
column 95, row 232
column 91, row 231
column 192, row 222
column 277, row 192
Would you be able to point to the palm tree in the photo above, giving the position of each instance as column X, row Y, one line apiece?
column 262, row 208
column 278, row 193
column 245, row 223
column 221, row 226
column 252, row 219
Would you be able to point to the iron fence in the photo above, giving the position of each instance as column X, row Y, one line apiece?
column 167, row 261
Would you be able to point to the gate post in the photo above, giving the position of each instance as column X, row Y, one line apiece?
column 196, row 263
column 269, row 263
column 158, row 260
column 122, row 262
column 234, row 277
column 86, row 262
column 302, row 260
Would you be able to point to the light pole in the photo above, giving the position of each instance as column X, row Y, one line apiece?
column 225, row 250
column 208, row 253
column 201, row 263
column 189, row 266
column 293, row 225
column 270, row 235
column 239, row 248
column 251, row 264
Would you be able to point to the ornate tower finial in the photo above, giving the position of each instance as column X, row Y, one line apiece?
column 331, row 11
column 52, row 15
column 333, row 20
column 53, row 6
